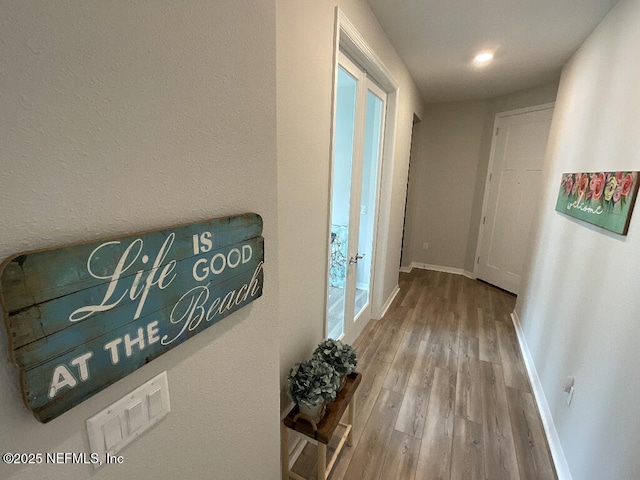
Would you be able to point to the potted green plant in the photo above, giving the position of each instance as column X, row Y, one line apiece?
column 312, row 383
column 341, row 356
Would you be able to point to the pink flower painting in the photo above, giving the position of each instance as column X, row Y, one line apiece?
column 626, row 183
column 597, row 185
column 603, row 198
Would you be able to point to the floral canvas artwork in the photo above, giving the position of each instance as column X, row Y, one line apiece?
column 605, row 199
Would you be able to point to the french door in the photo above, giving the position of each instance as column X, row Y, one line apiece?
column 357, row 151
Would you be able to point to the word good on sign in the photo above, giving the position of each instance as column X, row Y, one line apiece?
column 80, row 318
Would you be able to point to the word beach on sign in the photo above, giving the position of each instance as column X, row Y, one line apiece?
column 80, row 318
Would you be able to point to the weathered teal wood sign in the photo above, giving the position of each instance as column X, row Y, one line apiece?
column 79, row 318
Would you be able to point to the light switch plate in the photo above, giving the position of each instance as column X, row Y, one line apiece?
column 118, row 425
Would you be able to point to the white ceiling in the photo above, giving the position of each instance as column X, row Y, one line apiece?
column 532, row 39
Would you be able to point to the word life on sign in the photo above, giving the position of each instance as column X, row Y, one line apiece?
column 605, row 199
column 80, row 318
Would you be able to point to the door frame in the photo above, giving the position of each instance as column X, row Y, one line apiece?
column 348, row 40
column 485, row 199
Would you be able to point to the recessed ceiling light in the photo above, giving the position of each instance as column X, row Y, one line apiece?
column 483, row 58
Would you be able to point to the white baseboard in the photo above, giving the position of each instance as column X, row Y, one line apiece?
column 438, row 268
column 560, row 461
column 390, row 300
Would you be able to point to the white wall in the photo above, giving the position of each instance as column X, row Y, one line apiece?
column 117, row 119
column 579, row 309
column 305, row 49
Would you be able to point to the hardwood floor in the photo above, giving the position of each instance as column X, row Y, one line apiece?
column 444, row 393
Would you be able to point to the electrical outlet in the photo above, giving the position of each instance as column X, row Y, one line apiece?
column 425, row 246
column 569, row 387
column 570, row 397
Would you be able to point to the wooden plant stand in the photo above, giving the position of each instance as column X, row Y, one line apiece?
column 321, row 433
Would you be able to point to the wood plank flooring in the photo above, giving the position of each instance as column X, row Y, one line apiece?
column 444, row 393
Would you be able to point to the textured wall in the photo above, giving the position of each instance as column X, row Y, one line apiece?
column 580, row 306
column 121, row 117
column 449, row 163
column 305, row 48
column 521, row 99
column 443, row 171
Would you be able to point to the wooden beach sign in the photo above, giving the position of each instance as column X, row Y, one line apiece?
column 81, row 317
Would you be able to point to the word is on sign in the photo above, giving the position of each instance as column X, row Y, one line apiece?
column 80, row 318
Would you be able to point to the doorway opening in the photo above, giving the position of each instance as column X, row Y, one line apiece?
column 406, row 228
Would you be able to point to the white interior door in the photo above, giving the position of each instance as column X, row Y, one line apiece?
column 511, row 198
column 357, row 151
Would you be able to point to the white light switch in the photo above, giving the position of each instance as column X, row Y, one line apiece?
column 135, row 416
column 155, row 403
column 118, row 425
column 112, row 431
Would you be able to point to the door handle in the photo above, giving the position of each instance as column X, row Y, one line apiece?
column 353, row 260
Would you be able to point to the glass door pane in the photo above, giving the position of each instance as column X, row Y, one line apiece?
column 374, row 117
column 345, row 119
column 357, row 152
